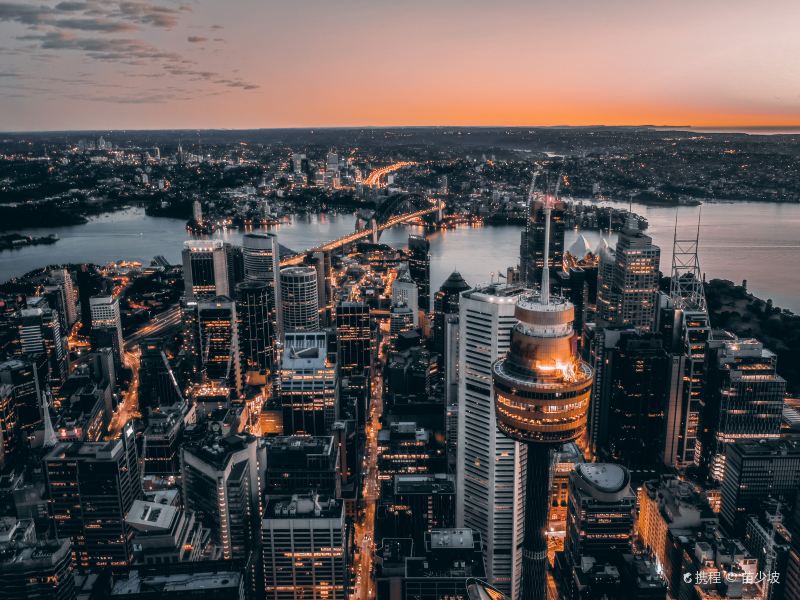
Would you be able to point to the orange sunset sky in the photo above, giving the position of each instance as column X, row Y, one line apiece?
column 99, row 64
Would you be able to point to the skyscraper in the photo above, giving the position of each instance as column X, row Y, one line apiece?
column 627, row 412
column 106, row 320
column 490, row 466
column 257, row 338
column 88, row 285
column 744, row 399
column 686, row 327
column 419, row 268
column 40, row 333
column 600, row 514
column 92, row 486
column 303, row 544
column 218, row 339
column 324, row 269
column 445, row 302
column 542, row 391
column 353, row 337
column 532, row 242
column 755, row 470
column 405, row 290
column 205, row 269
column 261, row 257
column 63, row 278
column 221, row 486
column 37, row 571
column 307, row 385
column 157, row 384
column 299, row 299
column 629, row 298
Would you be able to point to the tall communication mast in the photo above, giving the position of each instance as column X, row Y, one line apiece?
column 686, row 283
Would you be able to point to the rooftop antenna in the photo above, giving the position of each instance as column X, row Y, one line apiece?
column 686, row 283
column 549, row 200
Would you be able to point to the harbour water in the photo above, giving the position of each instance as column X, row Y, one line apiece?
column 759, row 242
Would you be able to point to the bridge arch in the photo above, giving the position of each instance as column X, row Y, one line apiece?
column 398, row 204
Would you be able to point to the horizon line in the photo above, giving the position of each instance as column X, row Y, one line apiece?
column 715, row 128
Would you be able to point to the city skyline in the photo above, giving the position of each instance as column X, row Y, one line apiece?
column 161, row 64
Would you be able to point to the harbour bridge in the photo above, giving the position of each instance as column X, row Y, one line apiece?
column 402, row 208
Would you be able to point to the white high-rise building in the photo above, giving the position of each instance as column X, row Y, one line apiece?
column 491, row 467
column 64, row 279
column 105, row 315
column 404, row 290
column 299, row 299
column 261, row 258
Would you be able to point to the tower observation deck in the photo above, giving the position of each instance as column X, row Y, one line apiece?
column 542, row 391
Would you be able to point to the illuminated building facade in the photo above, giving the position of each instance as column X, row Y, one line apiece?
column 205, row 269
column 37, row 570
column 419, row 268
column 257, row 338
column 40, row 333
column 261, row 259
column 755, row 469
column 63, row 279
column 669, row 508
column 298, row 463
column 600, row 515
column 628, row 287
column 218, row 342
column 221, row 486
column 106, row 318
column 685, row 325
column 744, row 399
column 304, row 548
column 92, row 486
column 353, row 338
column 299, row 301
column 627, row 413
column 542, row 390
column 307, row 385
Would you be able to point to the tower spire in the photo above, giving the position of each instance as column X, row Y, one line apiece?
column 545, row 295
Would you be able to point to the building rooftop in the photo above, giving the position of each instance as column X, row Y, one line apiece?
column 311, row 506
column 87, row 451
column 179, row 582
column 766, row 448
column 217, row 451
column 603, row 476
column 151, row 516
column 435, row 483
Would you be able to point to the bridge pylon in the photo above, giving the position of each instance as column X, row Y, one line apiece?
column 373, row 223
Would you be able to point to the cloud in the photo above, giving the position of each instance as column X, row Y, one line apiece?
column 93, row 27
column 148, row 13
column 72, row 6
column 102, row 48
column 90, row 24
column 36, row 16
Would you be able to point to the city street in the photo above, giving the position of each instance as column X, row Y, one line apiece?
column 364, row 587
column 129, row 405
